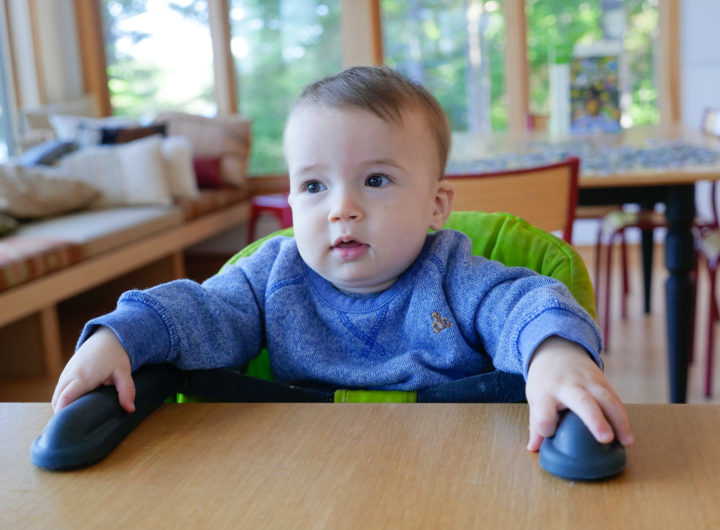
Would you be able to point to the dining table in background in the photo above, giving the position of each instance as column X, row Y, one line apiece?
column 645, row 165
column 310, row 465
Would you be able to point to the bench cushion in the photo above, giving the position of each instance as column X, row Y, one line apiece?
column 210, row 200
column 97, row 231
column 23, row 259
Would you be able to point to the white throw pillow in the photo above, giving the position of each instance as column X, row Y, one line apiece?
column 179, row 172
column 126, row 174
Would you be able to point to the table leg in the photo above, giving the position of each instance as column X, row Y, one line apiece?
column 679, row 291
column 647, row 244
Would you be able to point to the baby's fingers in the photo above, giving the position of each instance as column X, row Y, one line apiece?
column 543, row 418
column 126, row 390
column 616, row 415
column 535, row 441
column 59, row 389
column 69, row 393
column 585, row 405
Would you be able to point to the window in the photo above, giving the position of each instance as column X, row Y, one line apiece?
column 555, row 27
column 456, row 50
column 5, row 119
column 159, row 56
column 280, row 46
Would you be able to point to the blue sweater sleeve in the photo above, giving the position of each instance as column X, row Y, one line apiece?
column 514, row 309
column 217, row 323
column 516, row 315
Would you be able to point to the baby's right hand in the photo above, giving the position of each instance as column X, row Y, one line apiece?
column 101, row 360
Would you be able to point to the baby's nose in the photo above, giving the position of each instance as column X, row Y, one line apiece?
column 345, row 208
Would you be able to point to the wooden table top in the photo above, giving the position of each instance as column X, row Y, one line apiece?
column 359, row 466
column 468, row 147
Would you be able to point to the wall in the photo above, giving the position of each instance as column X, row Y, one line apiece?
column 700, row 78
column 700, row 59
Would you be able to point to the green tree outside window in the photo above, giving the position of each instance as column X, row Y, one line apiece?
column 279, row 46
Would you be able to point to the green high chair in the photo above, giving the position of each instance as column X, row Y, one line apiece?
column 89, row 428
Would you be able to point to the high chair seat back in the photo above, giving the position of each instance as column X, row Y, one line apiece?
column 498, row 236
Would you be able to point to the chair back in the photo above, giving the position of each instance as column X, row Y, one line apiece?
column 545, row 196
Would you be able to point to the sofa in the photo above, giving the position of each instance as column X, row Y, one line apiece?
column 104, row 218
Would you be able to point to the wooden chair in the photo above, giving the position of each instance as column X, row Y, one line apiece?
column 545, row 196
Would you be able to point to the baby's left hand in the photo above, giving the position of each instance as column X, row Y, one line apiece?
column 562, row 375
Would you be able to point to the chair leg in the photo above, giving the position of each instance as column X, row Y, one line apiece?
column 607, row 281
column 598, row 273
column 695, row 276
column 712, row 318
column 625, row 275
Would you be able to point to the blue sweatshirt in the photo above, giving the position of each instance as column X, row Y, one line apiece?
column 449, row 315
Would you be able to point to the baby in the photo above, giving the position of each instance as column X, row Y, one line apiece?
column 349, row 301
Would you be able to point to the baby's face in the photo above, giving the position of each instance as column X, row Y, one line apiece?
column 364, row 193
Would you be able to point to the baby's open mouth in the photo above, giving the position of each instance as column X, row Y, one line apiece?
column 349, row 249
column 349, row 244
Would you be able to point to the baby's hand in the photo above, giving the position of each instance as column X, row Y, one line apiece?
column 101, row 360
column 562, row 375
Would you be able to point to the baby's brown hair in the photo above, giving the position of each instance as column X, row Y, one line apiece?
column 385, row 93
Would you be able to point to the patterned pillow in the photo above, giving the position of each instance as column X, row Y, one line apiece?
column 33, row 193
column 126, row 174
column 84, row 130
column 46, row 153
column 122, row 135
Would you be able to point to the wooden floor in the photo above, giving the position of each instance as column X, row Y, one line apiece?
column 635, row 361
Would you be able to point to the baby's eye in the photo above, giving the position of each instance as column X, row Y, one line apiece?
column 314, row 186
column 377, row 181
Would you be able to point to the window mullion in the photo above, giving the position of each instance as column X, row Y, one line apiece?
column 517, row 80
column 226, row 94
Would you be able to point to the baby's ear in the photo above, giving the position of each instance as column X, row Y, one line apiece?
column 442, row 206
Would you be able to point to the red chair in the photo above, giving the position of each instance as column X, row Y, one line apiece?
column 707, row 245
column 275, row 204
column 612, row 229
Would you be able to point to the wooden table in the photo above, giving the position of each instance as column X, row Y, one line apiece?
column 673, row 186
column 359, row 466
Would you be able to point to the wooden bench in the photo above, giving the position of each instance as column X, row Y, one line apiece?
column 64, row 268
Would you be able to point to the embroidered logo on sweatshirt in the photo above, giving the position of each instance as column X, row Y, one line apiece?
column 439, row 322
